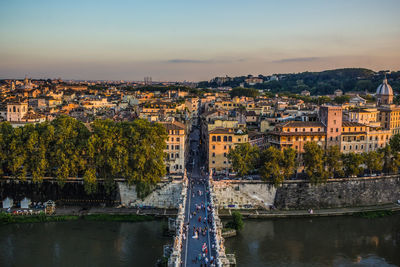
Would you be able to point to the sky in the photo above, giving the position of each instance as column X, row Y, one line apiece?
column 194, row 40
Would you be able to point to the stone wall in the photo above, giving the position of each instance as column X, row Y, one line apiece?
column 303, row 195
column 166, row 195
column 338, row 193
column 244, row 194
column 72, row 193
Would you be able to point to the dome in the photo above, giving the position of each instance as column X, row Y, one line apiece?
column 384, row 88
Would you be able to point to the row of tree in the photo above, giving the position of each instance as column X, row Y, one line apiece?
column 276, row 165
column 66, row 148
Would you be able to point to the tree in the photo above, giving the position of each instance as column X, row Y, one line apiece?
column 352, row 164
column 390, row 161
column 237, row 221
column 333, row 162
column 289, row 162
column 313, row 158
column 373, row 161
column 244, row 158
column 271, row 168
column 395, row 143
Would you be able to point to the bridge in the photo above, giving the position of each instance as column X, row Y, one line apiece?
column 198, row 238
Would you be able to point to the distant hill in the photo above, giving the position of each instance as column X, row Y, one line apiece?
column 318, row 83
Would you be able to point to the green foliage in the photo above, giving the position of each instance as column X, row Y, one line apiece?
column 237, row 221
column 244, row 158
column 333, row 162
column 319, row 83
column 374, row 214
column 395, row 143
column 391, row 160
column 239, row 91
column 66, row 148
column 342, row 99
column 352, row 164
column 271, row 165
column 313, row 158
column 373, row 161
column 6, row 218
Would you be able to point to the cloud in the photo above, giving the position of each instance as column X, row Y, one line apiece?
column 297, row 59
column 178, row 60
column 206, row 61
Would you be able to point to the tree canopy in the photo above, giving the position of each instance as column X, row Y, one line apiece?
column 66, row 148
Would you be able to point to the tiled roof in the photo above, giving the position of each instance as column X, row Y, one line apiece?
column 302, row 124
column 352, row 124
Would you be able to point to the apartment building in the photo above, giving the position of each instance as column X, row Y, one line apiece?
column 177, row 147
column 221, row 140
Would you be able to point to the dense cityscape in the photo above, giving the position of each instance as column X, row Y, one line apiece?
column 212, row 133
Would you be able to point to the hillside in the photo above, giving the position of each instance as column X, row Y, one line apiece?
column 318, row 83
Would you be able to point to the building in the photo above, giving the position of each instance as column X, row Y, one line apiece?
column 176, row 149
column 294, row 134
column 331, row 118
column 220, row 141
column 16, row 111
column 384, row 93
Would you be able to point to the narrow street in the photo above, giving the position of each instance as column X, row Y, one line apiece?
column 198, row 247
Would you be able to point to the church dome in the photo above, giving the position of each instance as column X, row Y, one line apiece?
column 384, row 88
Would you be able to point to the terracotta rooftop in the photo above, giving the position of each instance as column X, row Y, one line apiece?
column 302, row 124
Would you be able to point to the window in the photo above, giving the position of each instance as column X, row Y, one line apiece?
column 177, row 155
column 214, row 138
column 336, row 138
column 356, row 147
column 172, row 139
column 172, row 155
column 177, row 147
column 304, row 129
column 311, row 129
column 331, row 138
column 337, row 130
column 225, row 138
column 13, row 108
column 331, row 130
column 213, row 155
column 213, row 163
column 167, row 146
column 239, row 139
column 213, row 147
column 224, row 154
column 344, row 147
column 224, row 162
column 319, row 129
column 230, row 138
column 224, row 147
column 178, row 139
column 295, row 129
column 218, row 138
column 334, row 121
column 350, row 147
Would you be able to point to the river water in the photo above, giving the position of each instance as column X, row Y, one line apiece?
column 336, row 241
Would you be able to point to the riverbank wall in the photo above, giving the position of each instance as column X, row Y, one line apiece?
column 301, row 194
column 240, row 194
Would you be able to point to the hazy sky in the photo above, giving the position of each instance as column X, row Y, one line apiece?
column 194, row 40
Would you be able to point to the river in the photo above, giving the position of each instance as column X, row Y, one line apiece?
column 336, row 241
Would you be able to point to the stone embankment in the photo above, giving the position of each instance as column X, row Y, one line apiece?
column 302, row 195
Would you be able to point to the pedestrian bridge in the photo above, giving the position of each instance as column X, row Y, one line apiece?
column 198, row 238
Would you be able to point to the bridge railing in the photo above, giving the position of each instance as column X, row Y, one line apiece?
column 175, row 257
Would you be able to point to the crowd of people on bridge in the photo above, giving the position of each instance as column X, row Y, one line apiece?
column 201, row 215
